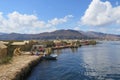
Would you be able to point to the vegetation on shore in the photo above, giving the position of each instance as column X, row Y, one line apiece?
column 92, row 42
column 5, row 60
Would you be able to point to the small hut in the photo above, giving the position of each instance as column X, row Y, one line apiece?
column 3, row 50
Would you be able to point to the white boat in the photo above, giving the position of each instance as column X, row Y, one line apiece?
column 53, row 55
column 50, row 57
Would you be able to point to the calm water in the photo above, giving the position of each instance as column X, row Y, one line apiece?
column 98, row 62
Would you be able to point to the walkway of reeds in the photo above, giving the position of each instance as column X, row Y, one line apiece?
column 18, row 67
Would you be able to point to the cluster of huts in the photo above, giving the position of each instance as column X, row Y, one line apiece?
column 5, row 47
column 16, row 46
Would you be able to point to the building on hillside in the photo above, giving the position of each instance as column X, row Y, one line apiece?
column 3, row 50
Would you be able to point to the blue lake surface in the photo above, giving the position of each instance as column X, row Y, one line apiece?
column 93, row 62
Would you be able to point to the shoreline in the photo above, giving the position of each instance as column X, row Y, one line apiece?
column 19, row 67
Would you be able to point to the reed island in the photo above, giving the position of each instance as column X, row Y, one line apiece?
column 17, row 58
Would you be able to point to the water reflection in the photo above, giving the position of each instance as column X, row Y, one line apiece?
column 99, row 62
column 102, row 62
column 58, row 51
column 74, row 50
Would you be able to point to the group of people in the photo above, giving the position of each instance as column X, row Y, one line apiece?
column 37, row 50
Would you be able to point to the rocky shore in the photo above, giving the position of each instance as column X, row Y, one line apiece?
column 19, row 67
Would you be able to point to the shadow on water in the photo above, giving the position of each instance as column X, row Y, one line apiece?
column 98, row 62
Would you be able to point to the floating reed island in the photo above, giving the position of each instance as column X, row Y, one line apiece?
column 18, row 59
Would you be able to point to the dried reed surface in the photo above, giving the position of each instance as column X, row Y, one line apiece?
column 18, row 67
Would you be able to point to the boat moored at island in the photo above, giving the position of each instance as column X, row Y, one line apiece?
column 50, row 57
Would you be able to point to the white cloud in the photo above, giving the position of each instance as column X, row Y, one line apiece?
column 101, row 13
column 77, row 28
column 56, row 21
column 24, row 23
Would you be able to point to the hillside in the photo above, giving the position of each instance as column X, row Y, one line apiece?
column 61, row 34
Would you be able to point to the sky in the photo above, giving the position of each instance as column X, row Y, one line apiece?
column 37, row 16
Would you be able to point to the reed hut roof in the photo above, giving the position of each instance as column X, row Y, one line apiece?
column 4, row 42
column 18, row 43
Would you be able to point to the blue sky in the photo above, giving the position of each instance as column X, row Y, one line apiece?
column 36, row 16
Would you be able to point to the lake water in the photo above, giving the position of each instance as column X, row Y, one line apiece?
column 94, row 62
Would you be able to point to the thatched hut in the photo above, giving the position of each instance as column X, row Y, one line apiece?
column 3, row 50
column 22, row 44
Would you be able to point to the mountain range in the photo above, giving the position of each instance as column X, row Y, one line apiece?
column 60, row 34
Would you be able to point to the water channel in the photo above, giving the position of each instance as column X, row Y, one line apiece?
column 93, row 62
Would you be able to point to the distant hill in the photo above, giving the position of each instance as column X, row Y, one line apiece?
column 99, row 35
column 60, row 34
column 2, row 33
